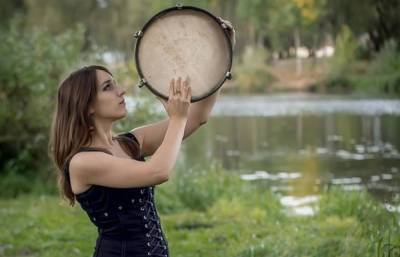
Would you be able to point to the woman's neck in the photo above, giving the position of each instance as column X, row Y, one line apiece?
column 102, row 136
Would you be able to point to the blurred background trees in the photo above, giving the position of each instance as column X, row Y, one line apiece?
column 274, row 24
column 30, row 68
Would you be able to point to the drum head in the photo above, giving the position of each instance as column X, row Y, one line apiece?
column 185, row 41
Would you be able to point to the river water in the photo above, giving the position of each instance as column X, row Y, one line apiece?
column 297, row 144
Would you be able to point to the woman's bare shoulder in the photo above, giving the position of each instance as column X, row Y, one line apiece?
column 87, row 161
column 81, row 166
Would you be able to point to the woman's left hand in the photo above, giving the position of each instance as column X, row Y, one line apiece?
column 231, row 31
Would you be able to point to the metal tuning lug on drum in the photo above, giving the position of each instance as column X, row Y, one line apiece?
column 138, row 34
column 142, row 82
column 228, row 75
column 179, row 6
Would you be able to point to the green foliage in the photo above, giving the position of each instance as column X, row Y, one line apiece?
column 198, row 188
column 386, row 67
column 375, row 219
column 166, row 199
column 376, row 84
column 110, row 24
column 195, row 188
column 41, row 226
column 13, row 183
column 252, row 71
column 381, row 75
column 255, row 11
column 337, row 202
column 358, row 15
column 387, row 60
column 30, row 69
column 345, row 52
column 245, row 222
column 276, row 25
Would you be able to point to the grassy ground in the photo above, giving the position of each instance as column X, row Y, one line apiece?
column 240, row 220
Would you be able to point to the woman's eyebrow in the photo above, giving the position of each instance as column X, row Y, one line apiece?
column 105, row 82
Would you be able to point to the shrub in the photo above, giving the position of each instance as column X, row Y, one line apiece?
column 251, row 71
column 198, row 188
column 386, row 67
column 387, row 61
column 337, row 202
column 342, row 61
column 30, row 68
column 345, row 52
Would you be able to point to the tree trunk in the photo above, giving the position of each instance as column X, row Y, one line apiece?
column 297, row 43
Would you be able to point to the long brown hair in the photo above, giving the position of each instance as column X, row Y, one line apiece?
column 72, row 122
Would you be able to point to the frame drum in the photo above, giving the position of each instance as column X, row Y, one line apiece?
column 183, row 41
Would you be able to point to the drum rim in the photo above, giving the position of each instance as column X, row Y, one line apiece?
column 161, row 13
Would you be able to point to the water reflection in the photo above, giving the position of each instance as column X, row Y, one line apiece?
column 265, row 175
column 295, row 104
column 295, row 151
column 300, row 205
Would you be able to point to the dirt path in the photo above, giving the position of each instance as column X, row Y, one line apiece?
column 289, row 79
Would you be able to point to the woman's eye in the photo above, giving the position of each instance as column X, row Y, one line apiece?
column 107, row 87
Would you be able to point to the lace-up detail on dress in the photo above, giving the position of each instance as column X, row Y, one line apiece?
column 155, row 238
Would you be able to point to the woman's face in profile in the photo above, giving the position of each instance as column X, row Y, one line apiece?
column 109, row 102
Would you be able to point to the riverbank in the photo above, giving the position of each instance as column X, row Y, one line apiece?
column 377, row 76
column 211, row 213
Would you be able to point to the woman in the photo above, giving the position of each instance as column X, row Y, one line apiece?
column 108, row 174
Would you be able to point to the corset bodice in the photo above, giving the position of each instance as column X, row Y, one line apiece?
column 125, row 214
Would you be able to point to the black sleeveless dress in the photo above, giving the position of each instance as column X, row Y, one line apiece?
column 127, row 220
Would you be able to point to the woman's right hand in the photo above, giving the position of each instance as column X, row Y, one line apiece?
column 179, row 97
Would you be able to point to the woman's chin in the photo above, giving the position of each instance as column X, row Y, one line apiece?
column 120, row 116
column 123, row 115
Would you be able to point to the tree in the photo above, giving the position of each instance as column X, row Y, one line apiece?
column 30, row 69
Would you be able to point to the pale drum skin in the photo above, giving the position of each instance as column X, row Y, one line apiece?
column 184, row 43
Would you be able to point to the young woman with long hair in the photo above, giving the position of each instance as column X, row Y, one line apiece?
column 107, row 173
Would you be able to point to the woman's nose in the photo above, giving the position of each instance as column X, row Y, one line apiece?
column 121, row 91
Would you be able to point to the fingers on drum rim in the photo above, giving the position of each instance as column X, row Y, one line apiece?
column 188, row 95
column 171, row 88
column 179, row 88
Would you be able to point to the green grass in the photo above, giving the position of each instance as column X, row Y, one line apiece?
column 241, row 220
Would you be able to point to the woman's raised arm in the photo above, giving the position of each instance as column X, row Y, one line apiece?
column 102, row 169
